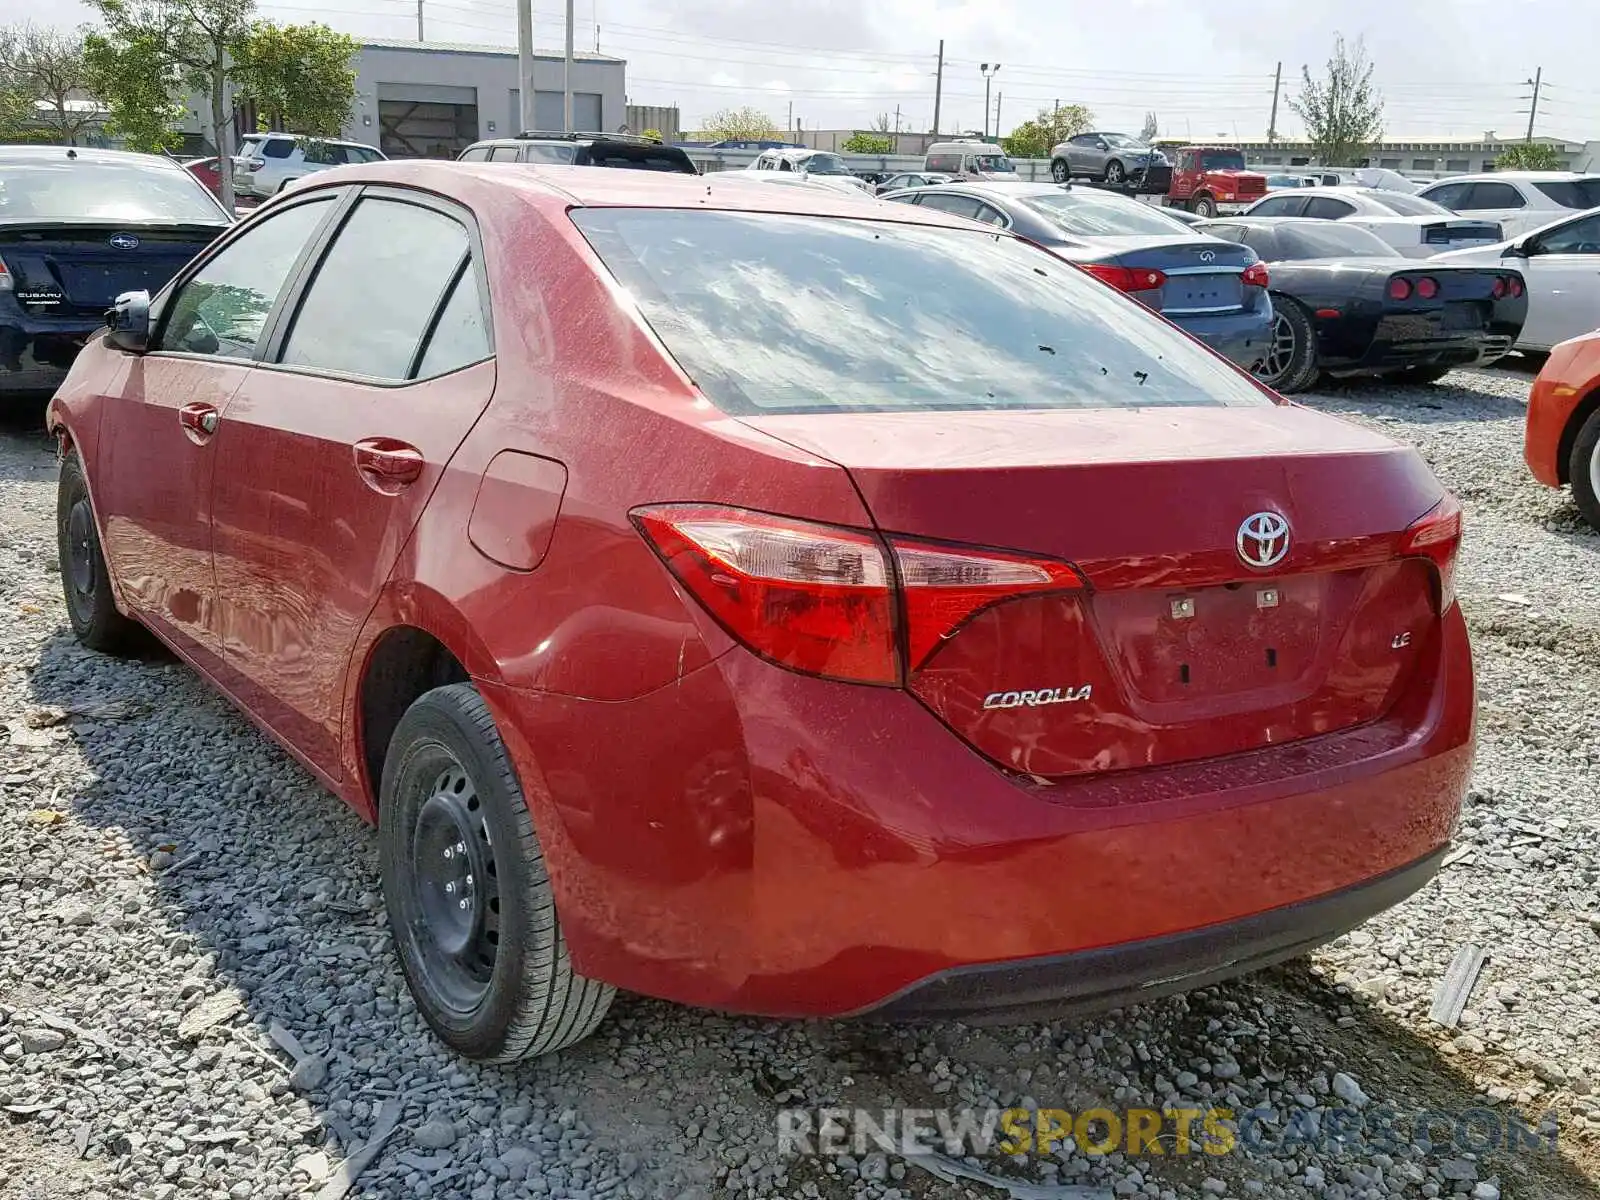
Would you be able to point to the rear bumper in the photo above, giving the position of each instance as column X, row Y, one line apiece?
column 754, row 840
column 36, row 351
column 1241, row 337
column 1436, row 352
column 1045, row 989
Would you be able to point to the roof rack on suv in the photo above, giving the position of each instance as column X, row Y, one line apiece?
column 635, row 138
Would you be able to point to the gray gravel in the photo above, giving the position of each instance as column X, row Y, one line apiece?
column 197, row 995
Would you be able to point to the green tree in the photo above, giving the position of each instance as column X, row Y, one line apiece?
column 1343, row 111
column 739, row 124
column 299, row 76
column 1530, row 156
column 1151, row 128
column 652, row 133
column 868, row 143
column 136, row 83
column 192, row 42
column 47, row 64
column 1036, row 138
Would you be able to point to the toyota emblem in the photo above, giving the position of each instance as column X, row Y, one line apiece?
column 1208, row 256
column 124, row 241
column 1263, row 540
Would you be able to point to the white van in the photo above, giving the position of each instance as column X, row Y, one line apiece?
column 969, row 160
column 815, row 166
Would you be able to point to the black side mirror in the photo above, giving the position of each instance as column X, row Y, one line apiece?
column 1522, row 248
column 129, row 322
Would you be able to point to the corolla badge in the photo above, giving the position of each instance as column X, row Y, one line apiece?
column 1263, row 540
column 1037, row 697
column 123, row 241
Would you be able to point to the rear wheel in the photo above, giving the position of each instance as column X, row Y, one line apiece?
column 1203, row 206
column 1059, row 171
column 1290, row 364
column 85, row 582
column 1116, row 172
column 1583, row 468
column 468, row 896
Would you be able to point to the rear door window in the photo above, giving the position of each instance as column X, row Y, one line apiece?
column 776, row 313
column 1279, row 206
column 1326, row 208
column 475, row 154
column 504, row 153
column 377, row 289
column 1492, row 195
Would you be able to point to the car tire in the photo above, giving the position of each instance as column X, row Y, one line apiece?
column 1291, row 362
column 1203, row 206
column 467, row 892
column 1583, row 469
column 1116, row 172
column 85, row 580
column 1059, row 171
column 1418, row 375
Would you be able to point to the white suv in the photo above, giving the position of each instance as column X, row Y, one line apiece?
column 1521, row 201
column 268, row 162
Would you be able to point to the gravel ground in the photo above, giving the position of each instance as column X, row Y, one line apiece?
column 197, row 995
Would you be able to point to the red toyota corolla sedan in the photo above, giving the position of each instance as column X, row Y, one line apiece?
column 769, row 599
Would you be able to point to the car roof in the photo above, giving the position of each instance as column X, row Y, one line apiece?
column 1513, row 176
column 84, row 154
column 558, row 188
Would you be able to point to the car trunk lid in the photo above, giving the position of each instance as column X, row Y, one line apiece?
column 1174, row 648
column 79, row 269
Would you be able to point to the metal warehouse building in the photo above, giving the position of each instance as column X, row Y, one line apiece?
column 432, row 99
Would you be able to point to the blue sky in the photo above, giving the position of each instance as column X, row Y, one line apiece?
column 1446, row 67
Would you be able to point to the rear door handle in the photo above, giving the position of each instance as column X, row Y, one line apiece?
column 386, row 464
column 199, row 421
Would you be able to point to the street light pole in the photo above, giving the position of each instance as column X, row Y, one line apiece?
column 988, row 70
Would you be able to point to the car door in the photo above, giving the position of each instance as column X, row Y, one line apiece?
column 1562, row 271
column 157, row 455
column 379, row 364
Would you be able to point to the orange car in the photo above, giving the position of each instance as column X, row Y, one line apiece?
column 1562, row 441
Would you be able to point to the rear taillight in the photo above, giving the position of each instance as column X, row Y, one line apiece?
column 255, row 164
column 1399, row 289
column 1436, row 535
column 1126, row 279
column 1427, row 287
column 1516, row 285
column 6, row 283
column 1500, row 287
column 1255, row 275
column 826, row 600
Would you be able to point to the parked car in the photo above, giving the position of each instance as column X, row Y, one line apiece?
column 1518, row 201
column 1278, row 183
column 1411, row 225
column 1213, row 179
column 1561, row 263
column 78, row 227
column 548, row 522
column 1113, row 158
column 1562, row 440
column 583, row 150
column 1215, row 290
column 969, row 159
column 910, row 179
column 816, row 166
column 207, row 171
column 1345, row 303
column 268, row 162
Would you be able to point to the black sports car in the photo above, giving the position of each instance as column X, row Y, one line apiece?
column 78, row 227
column 1345, row 304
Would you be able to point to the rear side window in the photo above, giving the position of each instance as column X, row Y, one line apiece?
column 774, row 313
column 460, row 337
column 1571, row 193
column 959, row 206
column 1326, row 208
column 943, row 162
column 376, row 290
column 224, row 307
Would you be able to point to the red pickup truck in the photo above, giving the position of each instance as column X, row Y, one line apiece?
column 1208, row 180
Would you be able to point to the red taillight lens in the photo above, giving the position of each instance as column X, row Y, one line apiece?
column 814, row 598
column 255, row 164
column 1499, row 289
column 6, row 283
column 1399, row 289
column 1436, row 535
column 1516, row 285
column 1427, row 287
column 1126, row 279
column 822, row 599
column 1255, row 275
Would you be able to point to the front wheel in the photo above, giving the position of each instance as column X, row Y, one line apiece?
column 1203, row 206
column 468, row 896
column 85, row 580
column 1059, row 171
column 1116, row 172
column 1583, row 468
column 1290, row 364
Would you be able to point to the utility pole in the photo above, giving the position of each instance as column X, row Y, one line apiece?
column 791, row 116
column 1533, row 108
column 938, row 88
column 419, row 20
column 525, row 65
column 999, row 99
column 897, row 120
column 988, row 75
column 566, row 77
column 1272, row 121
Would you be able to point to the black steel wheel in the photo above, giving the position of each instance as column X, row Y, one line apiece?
column 85, row 581
column 1290, row 363
column 469, row 901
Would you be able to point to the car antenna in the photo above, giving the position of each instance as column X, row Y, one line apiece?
column 71, row 153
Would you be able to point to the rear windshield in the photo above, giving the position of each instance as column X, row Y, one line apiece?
column 1088, row 213
column 772, row 313
column 1408, row 205
column 1221, row 160
column 114, row 191
column 1330, row 239
column 1572, row 193
column 267, row 147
